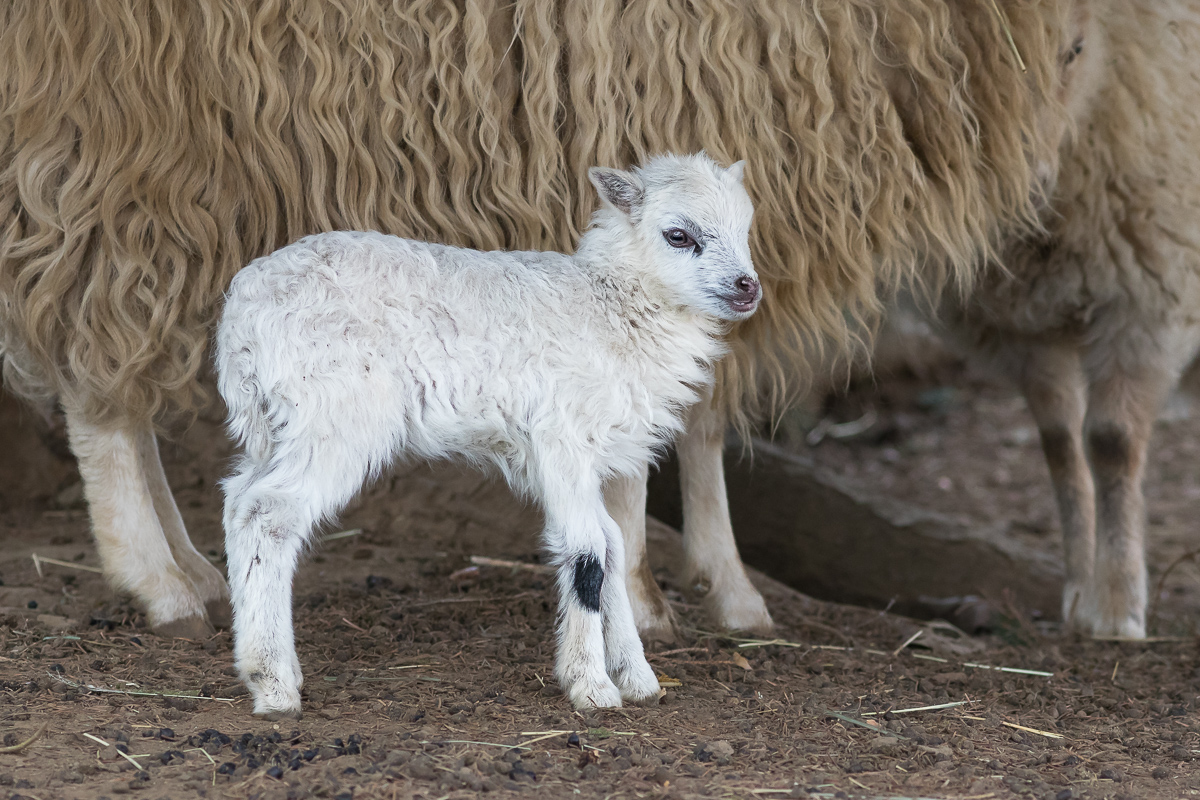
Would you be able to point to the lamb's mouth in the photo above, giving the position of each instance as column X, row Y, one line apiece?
column 743, row 305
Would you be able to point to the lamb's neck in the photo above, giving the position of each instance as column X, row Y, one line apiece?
column 646, row 325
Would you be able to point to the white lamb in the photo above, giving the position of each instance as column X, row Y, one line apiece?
column 345, row 351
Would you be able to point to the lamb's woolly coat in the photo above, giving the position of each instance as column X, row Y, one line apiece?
column 387, row 346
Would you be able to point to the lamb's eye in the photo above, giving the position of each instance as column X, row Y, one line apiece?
column 677, row 237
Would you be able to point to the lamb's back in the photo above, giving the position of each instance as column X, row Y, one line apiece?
column 445, row 348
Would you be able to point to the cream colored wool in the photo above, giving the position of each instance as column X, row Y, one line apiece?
column 150, row 150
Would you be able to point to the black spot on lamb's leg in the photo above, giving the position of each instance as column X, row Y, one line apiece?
column 589, row 577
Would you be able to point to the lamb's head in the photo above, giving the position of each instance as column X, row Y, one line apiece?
column 688, row 221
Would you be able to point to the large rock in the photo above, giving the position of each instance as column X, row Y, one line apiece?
column 803, row 526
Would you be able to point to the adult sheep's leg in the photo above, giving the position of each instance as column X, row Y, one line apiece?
column 711, row 558
column 133, row 548
column 1124, row 398
column 625, row 498
column 578, row 545
column 207, row 579
column 1053, row 383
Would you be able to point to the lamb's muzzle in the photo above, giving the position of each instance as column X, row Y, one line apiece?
column 746, row 295
column 344, row 351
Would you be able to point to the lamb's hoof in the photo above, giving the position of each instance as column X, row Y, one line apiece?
column 196, row 627
column 220, row 613
column 595, row 694
column 277, row 716
column 639, row 684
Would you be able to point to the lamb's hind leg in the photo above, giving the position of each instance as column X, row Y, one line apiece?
column 625, row 498
column 1124, row 398
column 265, row 531
column 129, row 537
column 710, row 554
column 204, row 576
column 1052, row 380
column 270, row 511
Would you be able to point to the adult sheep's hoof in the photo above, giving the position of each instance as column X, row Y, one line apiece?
column 196, row 627
column 220, row 613
column 740, row 608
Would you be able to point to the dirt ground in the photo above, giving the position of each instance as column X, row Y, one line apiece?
column 427, row 678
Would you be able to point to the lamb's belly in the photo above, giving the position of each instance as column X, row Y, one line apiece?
column 486, row 428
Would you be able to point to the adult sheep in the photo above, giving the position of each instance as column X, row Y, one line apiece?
column 1095, row 315
column 149, row 150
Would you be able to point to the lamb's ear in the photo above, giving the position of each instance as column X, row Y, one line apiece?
column 621, row 190
column 738, row 170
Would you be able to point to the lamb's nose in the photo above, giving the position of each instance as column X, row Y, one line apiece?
column 747, row 285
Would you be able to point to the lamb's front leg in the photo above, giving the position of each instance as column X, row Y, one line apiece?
column 625, row 498
column 624, row 657
column 577, row 543
column 1052, row 380
column 710, row 553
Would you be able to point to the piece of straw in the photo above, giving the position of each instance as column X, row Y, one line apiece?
column 974, row 665
column 1014, row 670
column 1033, row 730
column 39, row 560
column 16, row 748
column 102, row 690
column 767, row 643
column 341, row 535
column 484, row 561
column 1008, row 35
column 862, row 724
column 908, row 641
column 919, row 708
column 103, row 743
column 486, row 744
